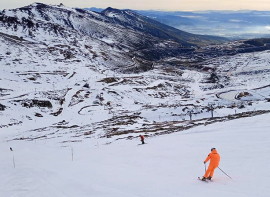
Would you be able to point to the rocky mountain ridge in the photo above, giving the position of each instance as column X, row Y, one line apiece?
column 135, row 36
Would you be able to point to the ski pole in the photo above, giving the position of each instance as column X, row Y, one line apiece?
column 224, row 173
column 205, row 167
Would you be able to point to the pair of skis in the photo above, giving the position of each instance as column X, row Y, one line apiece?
column 206, row 180
column 142, row 144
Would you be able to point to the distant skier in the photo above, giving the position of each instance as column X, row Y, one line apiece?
column 214, row 163
column 10, row 149
column 142, row 139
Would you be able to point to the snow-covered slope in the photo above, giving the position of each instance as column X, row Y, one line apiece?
column 165, row 166
column 48, row 19
column 77, row 85
column 61, row 83
column 142, row 23
column 49, row 24
column 58, row 99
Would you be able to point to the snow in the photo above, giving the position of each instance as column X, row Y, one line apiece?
column 103, row 133
column 78, row 109
column 166, row 166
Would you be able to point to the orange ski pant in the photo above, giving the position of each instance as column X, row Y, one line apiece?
column 210, row 171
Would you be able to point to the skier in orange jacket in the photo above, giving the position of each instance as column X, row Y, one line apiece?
column 214, row 163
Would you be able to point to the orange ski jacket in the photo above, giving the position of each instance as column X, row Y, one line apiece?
column 142, row 138
column 214, row 158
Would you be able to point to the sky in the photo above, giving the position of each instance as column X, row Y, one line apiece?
column 170, row 5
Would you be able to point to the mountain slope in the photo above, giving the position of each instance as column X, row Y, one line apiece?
column 142, row 23
column 132, row 32
column 46, row 23
column 61, row 79
column 167, row 165
column 73, row 119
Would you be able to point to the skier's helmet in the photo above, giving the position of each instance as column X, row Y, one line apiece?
column 212, row 149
